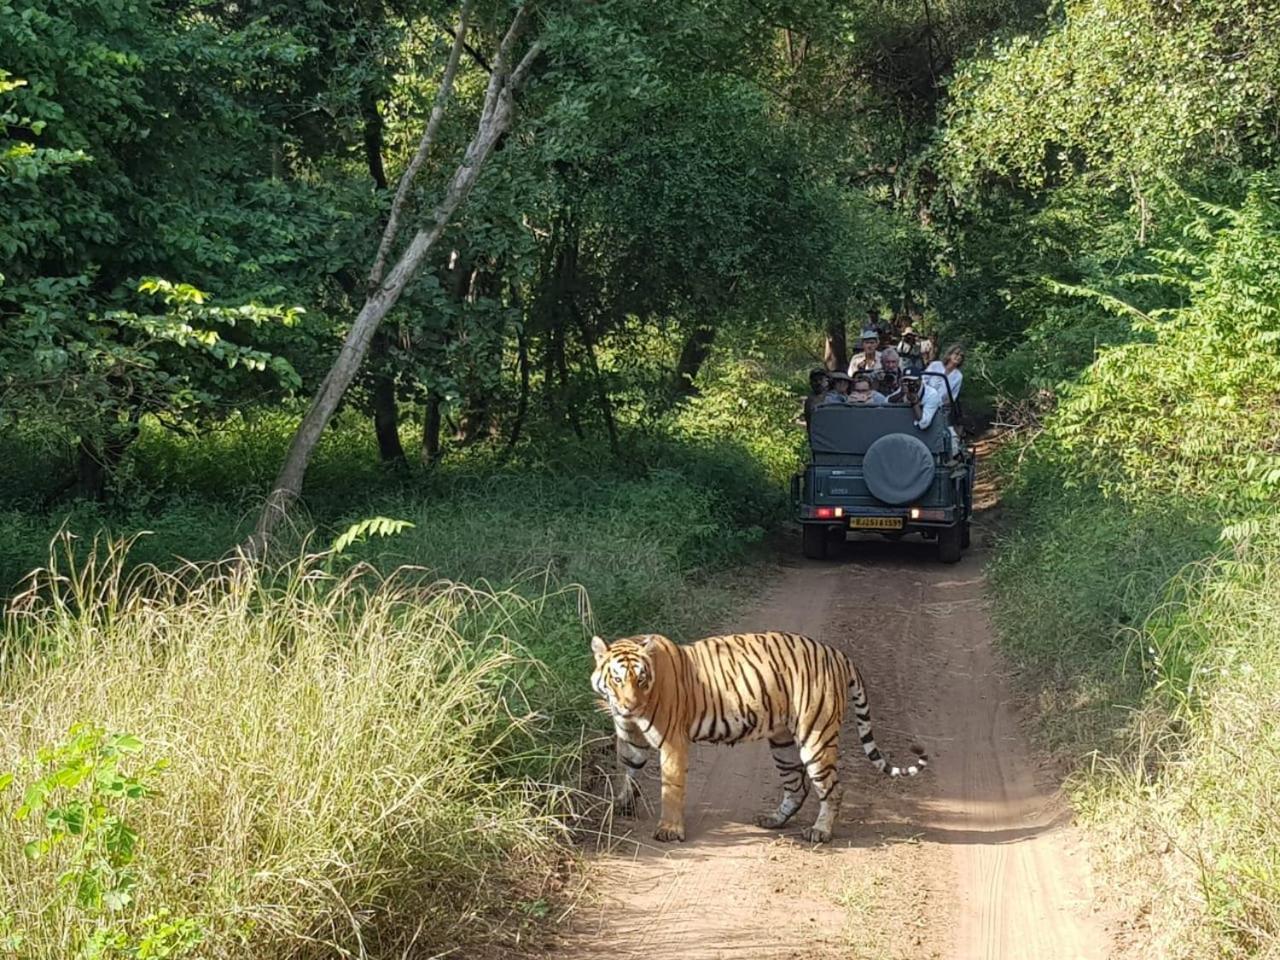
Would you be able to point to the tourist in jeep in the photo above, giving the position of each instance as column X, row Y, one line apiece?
column 868, row 361
column 949, row 366
column 890, row 371
column 838, row 386
column 910, row 351
column 864, row 392
column 908, row 393
column 818, row 384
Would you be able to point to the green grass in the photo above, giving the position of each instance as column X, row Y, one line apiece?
column 1149, row 647
column 352, row 765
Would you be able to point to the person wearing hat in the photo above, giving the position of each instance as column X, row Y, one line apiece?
column 838, row 391
column 911, row 351
column 868, row 361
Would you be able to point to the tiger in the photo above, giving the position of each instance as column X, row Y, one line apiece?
column 785, row 687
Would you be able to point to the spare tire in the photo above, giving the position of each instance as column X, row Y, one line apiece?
column 898, row 469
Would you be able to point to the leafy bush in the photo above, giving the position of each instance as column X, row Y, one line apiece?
column 1147, row 638
column 1201, row 389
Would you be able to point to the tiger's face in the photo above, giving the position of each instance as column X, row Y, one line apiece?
column 623, row 674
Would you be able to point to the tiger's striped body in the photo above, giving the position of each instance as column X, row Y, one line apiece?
column 787, row 688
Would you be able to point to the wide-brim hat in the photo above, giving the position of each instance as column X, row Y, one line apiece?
column 909, row 331
column 869, row 333
column 839, row 375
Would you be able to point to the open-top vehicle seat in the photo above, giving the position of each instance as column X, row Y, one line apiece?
column 842, row 430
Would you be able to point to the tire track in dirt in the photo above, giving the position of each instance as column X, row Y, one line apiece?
column 974, row 860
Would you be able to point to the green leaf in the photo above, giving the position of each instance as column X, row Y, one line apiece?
column 127, row 743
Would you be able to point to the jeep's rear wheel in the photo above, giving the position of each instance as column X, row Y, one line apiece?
column 814, row 541
column 949, row 543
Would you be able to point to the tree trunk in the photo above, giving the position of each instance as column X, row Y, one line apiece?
column 386, row 417
column 836, row 353
column 522, row 405
column 431, row 430
column 495, row 117
column 602, row 395
column 696, row 349
column 97, row 460
column 562, row 372
column 476, row 416
column 373, row 136
column 91, row 471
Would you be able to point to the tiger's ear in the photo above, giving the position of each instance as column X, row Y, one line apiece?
column 599, row 648
column 650, row 639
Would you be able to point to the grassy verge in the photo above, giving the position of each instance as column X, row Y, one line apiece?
column 1149, row 646
column 322, row 767
column 1138, row 589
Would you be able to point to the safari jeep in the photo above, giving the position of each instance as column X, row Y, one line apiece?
column 871, row 470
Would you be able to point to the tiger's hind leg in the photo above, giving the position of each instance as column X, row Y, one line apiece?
column 794, row 785
column 633, row 754
column 820, row 757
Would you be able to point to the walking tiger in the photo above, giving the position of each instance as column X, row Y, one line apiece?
column 746, row 686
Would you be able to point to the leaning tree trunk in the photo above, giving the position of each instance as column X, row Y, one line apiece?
column 495, row 117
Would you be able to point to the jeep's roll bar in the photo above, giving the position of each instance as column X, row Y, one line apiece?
column 952, row 401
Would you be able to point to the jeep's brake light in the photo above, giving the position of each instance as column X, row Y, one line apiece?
column 824, row 513
column 925, row 513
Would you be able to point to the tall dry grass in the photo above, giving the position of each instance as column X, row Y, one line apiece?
column 356, row 767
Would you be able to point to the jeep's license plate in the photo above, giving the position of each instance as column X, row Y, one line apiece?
column 876, row 523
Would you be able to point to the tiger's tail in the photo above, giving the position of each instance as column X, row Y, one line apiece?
column 862, row 713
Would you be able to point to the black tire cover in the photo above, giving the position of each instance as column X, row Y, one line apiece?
column 898, row 468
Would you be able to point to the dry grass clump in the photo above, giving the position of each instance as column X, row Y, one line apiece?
column 354, row 767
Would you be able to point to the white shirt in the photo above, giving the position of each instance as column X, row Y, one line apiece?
column 955, row 378
column 931, row 401
column 860, row 364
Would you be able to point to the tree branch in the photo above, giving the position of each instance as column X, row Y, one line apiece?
column 495, row 119
column 420, row 156
column 472, row 52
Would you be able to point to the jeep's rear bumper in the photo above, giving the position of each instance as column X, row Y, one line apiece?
column 869, row 518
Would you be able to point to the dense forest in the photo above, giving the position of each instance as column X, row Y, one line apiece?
column 355, row 358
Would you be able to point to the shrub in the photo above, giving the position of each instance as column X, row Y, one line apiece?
column 1138, row 587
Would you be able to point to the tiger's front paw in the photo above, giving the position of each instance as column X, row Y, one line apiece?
column 771, row 821
column 668, row 831
column 816, row 834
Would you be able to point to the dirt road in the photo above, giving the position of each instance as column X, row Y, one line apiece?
column 973, row 860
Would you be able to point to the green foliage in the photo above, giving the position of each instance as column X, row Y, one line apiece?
column 370, row 527
column 74, row 811
column 1138, row 584
column 1199, row 387
column 94, row 374
column 1137, row 90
